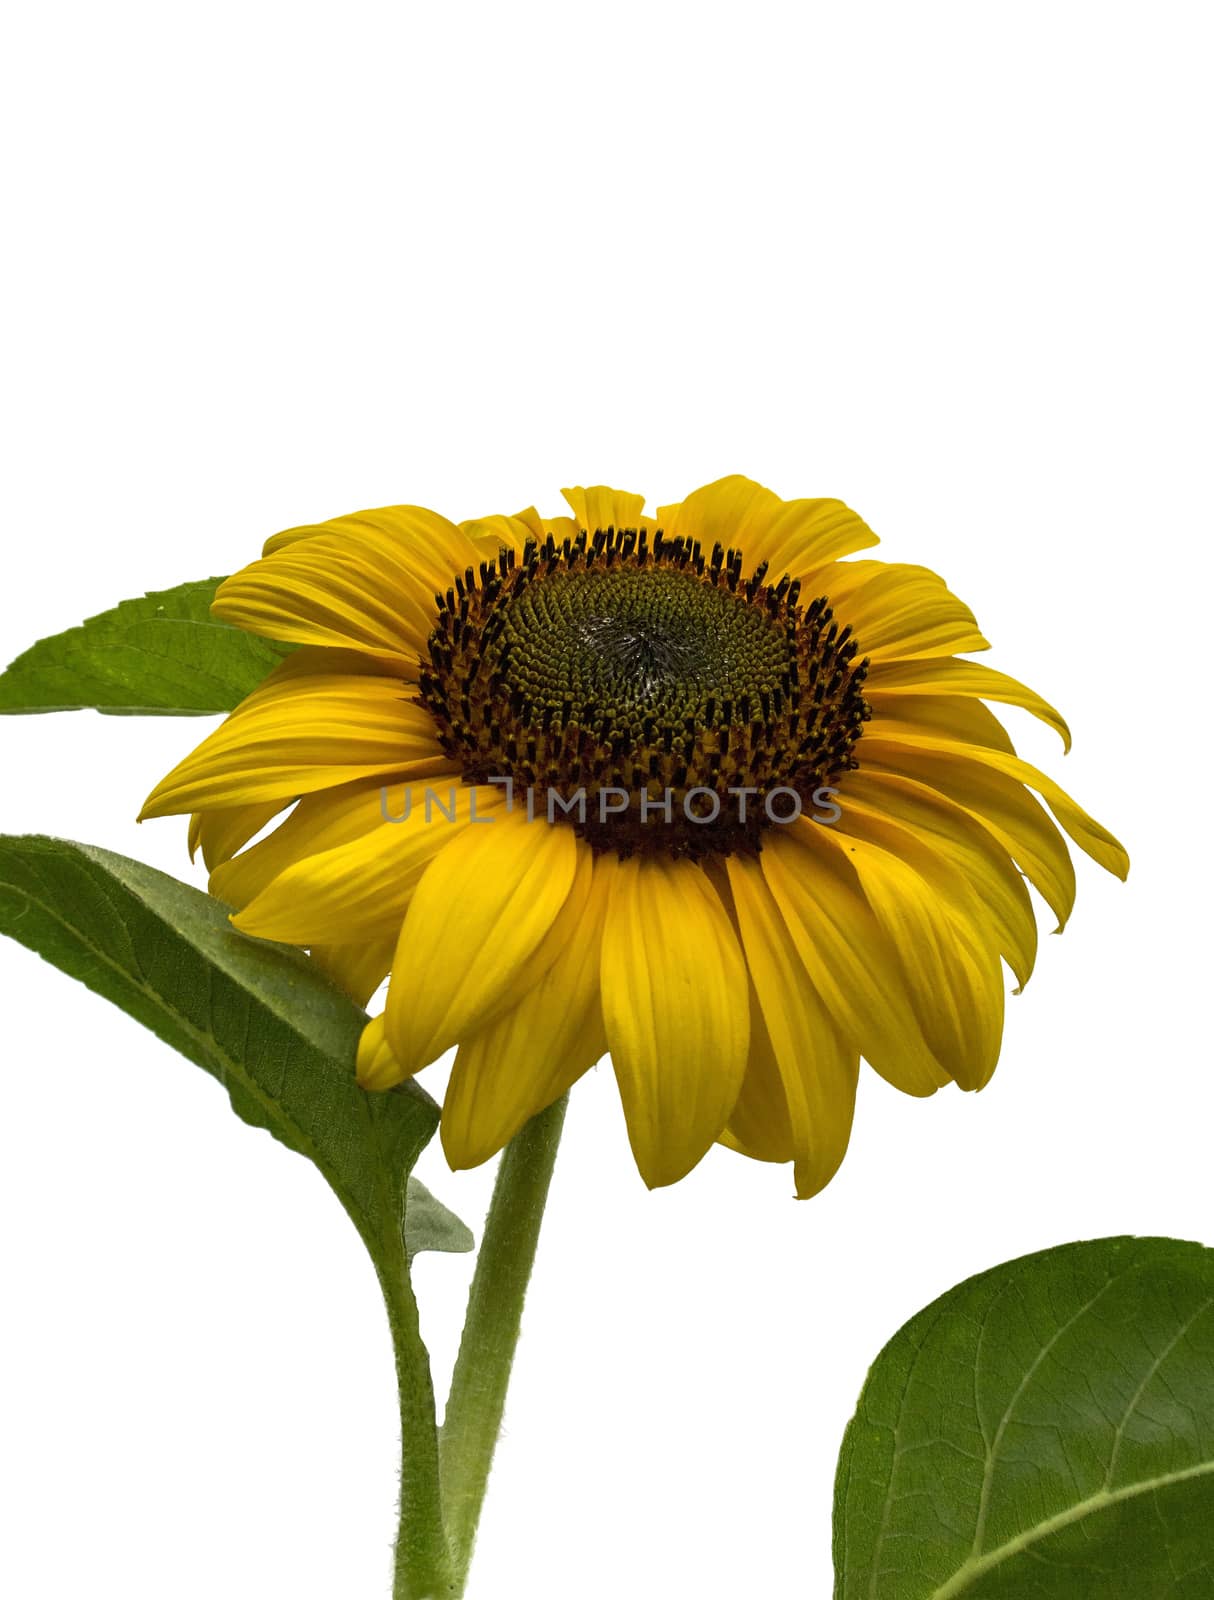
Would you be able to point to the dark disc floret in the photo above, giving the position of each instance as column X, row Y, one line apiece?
column 650, row 695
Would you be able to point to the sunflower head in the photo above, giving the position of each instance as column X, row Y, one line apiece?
column 694, row 790
column 649, row 669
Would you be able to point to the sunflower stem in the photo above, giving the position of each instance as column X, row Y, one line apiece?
column 423, row 1568
column 491, row 1329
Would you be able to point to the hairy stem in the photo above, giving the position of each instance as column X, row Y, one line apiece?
column 491, row 1329
column 423, row 1563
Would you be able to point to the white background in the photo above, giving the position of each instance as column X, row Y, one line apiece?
column 271, row 263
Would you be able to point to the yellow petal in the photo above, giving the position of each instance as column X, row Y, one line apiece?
column 947, row 716
column 359, row 968
column 818, row 1070
column 1088, row 834
column 759, row 1125
column 943, row 675
column 491, row 534
column 371, row 594
column 527, row 1058
column 311, row 661
column 847, row 954
column 220, row 834
column 968, row 843
column 945, row 949
column 304, row 734
column 221, row 831
column 806, row 534
column 734, row 512
column 316, row 594
column 377, row 1066
column 478, row 916
column 1003, row 805
column 532, row 521
column 792, row 536
column 675, row 1006
column 363, row 883
column 897, row 611
column 319, row 822
column 601, row 507
column 426, row 536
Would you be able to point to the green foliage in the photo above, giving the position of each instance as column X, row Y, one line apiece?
column 1042, row 1432
column 163, row 654
column 430, row 1226
column 258, row 1016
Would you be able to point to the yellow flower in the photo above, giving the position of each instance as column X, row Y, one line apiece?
column 758, row 822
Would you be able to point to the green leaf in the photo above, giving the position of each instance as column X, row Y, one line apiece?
column 430, row 1226
column 259, row 1017
column 1042, row 1432
column 163, row 654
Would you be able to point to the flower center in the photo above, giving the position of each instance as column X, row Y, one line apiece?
column 649, row 695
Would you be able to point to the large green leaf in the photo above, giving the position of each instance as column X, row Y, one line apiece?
column 163, row 654
column 1042, row 1432
column 258, row 1016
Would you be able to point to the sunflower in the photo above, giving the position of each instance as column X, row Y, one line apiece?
column 692, row 789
